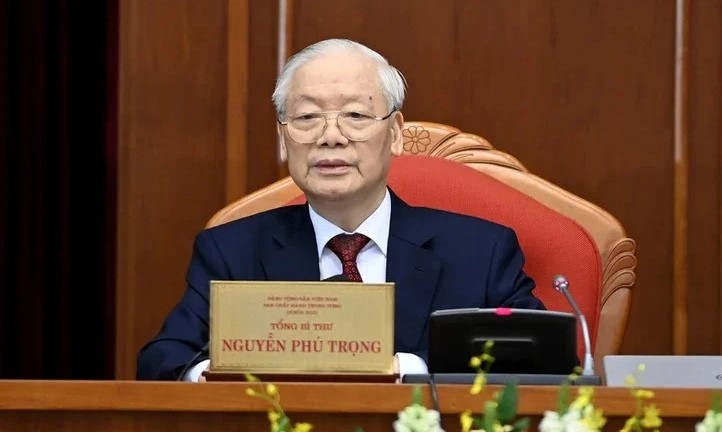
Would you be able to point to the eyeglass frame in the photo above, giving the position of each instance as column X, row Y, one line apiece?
column 325, row 122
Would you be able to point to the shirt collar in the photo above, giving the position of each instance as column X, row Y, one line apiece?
column 375, row 227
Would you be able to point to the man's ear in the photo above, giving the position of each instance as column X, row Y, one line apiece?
column 282, row 142
column 397, row 138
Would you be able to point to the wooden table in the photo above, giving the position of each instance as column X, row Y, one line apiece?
column 108, row 406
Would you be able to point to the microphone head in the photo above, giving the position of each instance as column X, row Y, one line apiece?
column 560, row 282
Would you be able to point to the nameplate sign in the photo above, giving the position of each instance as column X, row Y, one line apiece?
column 301, row 327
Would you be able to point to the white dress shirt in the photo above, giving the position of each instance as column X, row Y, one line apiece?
column 371, row 263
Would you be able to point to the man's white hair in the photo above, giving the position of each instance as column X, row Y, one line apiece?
column 393, row 83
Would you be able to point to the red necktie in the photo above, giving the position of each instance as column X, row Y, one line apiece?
column 347, row 247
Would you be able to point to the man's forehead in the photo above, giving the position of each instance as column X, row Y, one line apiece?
column 337, row 67
column 342, row 77
column 340, row 57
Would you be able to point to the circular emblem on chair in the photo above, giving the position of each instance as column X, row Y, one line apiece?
column 416, row 139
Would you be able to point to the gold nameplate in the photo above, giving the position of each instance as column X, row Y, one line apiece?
column 301, row 327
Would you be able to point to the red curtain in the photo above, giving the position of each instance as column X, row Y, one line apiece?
column 57, row 188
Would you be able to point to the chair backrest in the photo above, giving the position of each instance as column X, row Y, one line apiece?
column 558, row 231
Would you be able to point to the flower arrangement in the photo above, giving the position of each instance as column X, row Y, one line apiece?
column 277, row 418
column 500, row 413
column 579, row 415
column 645, row 416
column 712, row 421
column 417, row 418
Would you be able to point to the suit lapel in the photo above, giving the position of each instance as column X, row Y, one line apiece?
column 292, row 254
column 415, row 270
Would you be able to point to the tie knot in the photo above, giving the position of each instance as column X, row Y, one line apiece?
column 347, row 246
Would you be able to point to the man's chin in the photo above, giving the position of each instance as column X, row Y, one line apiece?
column 330, row 189
column 331, row 195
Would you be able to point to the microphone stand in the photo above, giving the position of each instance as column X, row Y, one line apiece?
column 562, row 284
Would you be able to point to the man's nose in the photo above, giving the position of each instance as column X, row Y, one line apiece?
column 332, row 135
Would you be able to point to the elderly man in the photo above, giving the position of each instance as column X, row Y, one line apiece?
column 340, row 123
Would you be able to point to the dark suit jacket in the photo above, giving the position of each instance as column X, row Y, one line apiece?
column 437, row 259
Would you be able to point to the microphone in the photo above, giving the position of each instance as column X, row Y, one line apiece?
column 204, row 349
column 561, row 283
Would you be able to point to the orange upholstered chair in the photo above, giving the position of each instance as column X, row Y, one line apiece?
column 559, row 232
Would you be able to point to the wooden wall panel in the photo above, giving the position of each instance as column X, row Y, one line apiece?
column 680, row 180
column 581, row 92
column 263, row 50
column 704, row 139
column 236, row 100
column 252, row 68
column 171, row 156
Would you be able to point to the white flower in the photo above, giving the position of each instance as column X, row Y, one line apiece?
column 572, row 421
column 551, row 422
column 712, row 422
column 417, row 418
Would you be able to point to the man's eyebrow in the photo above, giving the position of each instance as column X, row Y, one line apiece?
column 305, row 98
column 357, row 97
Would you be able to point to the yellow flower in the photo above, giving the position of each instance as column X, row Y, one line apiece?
column 479, row 381
column 276, row 417
column 651, row 417
column 271, row 390
column 585, row 397
column 498, row 427
column 595, row 419
column 630, row 381
column 629, row 424
column 644, row 394
column 466, row 421
column 250, row 377
column 586, row 391
column 573, row 377
column 302, row 427
column 475, row 362
column 273, row 418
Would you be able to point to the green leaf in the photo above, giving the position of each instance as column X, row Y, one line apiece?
column 716, row 402
column 508, row 399
column 417, row 397
column 563, row 399
column 358, row 429
column 521, row 425
column 489, row 415
column 478, row 422
column 284, row 424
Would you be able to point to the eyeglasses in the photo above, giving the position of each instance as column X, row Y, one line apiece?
column 306, row 128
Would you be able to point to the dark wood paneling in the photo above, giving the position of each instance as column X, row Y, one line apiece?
column 681, row 181
column 705, row 115
column 581, row 92
column 172, row 152
column 236, row 105
column 263, row 168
